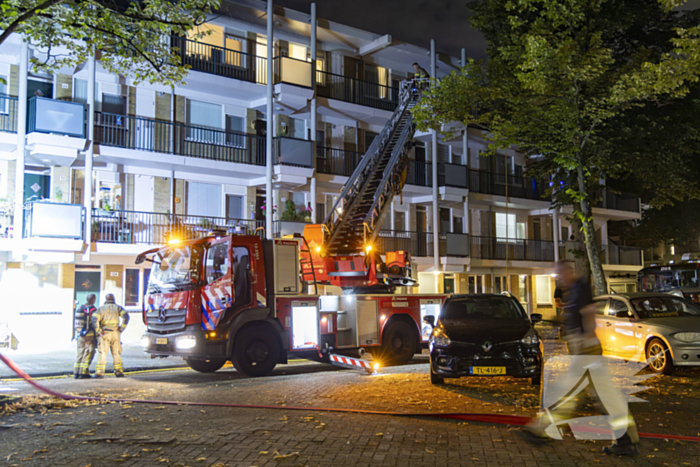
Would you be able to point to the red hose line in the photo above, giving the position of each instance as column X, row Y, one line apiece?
column 499, row 419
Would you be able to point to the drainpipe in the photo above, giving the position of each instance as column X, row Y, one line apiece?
column 87, row 180
column 436, row 214
column 555, row 236
column 314, row 114
column 18, row 221
column 268, row 137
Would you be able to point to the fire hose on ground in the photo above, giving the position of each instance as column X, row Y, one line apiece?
column 499, row 419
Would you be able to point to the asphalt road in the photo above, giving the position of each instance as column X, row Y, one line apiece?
column 151, row 434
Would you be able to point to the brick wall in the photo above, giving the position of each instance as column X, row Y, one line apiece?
column 14, row 80
column 161, row 194
column 66, row 276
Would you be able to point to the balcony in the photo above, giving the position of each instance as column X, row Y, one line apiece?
column 619, row 201
column 476, row 181
column 176, row 138
column 134, row 227
column 8, row 114
column 620, row 255
column 334, row 161
column 55, row 117
column 420, row 244
column 293, row 152
column 356, row 91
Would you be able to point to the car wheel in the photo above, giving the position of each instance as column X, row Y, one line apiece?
column 203, row 365
column 659, row 358
column 399, row 344
column 256, row 351
column 435, row 379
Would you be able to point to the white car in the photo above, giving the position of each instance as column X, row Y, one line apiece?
column 660, row 329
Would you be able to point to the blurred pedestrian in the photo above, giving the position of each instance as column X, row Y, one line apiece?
column 586, row 361
column 85, row 337
column 109, row 323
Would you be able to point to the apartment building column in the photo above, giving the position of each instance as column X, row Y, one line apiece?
column 556, row 230
column 465, row 135
column 314, row 112
column 436, row 216
column 467, row 216
column 87, row 180
column 18, row 221
column 269, row 118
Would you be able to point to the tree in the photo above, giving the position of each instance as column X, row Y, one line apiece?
column 561, row 75
column 131, row 37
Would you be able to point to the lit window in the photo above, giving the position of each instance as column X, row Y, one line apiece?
column 544, row 290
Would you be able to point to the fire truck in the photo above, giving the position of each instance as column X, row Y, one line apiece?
column 256, row 302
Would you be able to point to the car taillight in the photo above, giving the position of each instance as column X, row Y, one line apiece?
column 694, row 297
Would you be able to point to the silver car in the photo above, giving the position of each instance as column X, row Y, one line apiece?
column 660, row 329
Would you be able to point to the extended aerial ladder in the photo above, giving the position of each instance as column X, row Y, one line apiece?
column 341, row 251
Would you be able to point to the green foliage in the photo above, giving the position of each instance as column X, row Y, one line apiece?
column 566, row 82
column 291, row 214
column 132, row 38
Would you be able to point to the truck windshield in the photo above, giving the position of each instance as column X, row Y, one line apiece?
column 175, row 268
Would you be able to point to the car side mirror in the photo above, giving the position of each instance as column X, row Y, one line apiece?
column 429, row 319
column 535, row 318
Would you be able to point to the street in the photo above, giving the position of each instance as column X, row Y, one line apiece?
column 128, row 434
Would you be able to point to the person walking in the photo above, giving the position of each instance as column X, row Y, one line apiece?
column 86, row 338
column 109, row 329
column 578, row 331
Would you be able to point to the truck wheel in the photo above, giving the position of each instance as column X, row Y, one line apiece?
column 205, row 366
column 399, row 344
column 659, row 357
column 256, row 351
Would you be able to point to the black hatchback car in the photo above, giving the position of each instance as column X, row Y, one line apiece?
column 484, row 335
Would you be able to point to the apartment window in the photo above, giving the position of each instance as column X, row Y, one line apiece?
column 544, row 290
column 235, row 129
column 500, row 284
column 506, row 226
column 113, row 104
column 207, row 115
column 298, row 52
column 297, row 128
column 131, row 287
column 379, row 76
column 399, row 221
column 203, row 199
column 521, row 231
column 4, row 103
column 320, row 75
column 234, row 207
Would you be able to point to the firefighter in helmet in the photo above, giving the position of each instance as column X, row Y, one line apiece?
column 109, row 329
column 85, row 336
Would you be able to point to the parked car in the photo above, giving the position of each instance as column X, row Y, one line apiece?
column 484, row 335
column 660, row 329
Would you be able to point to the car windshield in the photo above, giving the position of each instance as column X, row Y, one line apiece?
column 482, row 308
column 664, row 307
column 174, row 268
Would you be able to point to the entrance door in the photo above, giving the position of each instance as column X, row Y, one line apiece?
column 445, row 215
column 449, row 284
column 36, row 187
column 421, row 227
column 39, row 88
column 87, row 282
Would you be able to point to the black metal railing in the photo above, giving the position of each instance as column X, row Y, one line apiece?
column 356, row 91
column 620, row 255
column 514, row 186
column 131, row 227
column 334, row 161
column 8, row 113
column 221, row 61
column 176, row 138
column 420, row 244
column 420, row 174
column 619, row 201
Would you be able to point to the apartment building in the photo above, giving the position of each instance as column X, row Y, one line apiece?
column 178, row 161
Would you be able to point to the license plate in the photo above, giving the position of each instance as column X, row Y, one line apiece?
column 487, row 370
column 161, row 340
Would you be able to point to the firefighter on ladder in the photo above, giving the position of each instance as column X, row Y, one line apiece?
column 107, row 326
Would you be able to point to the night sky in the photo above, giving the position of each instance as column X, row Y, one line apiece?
column 412, row 21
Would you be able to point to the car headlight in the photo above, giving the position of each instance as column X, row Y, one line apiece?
column 186, row 342
column 440, row 338
column 687, row 336
column 530, row 338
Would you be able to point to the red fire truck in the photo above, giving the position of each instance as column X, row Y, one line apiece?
column 240, row 298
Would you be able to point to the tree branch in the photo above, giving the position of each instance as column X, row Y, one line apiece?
column 25, row 16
